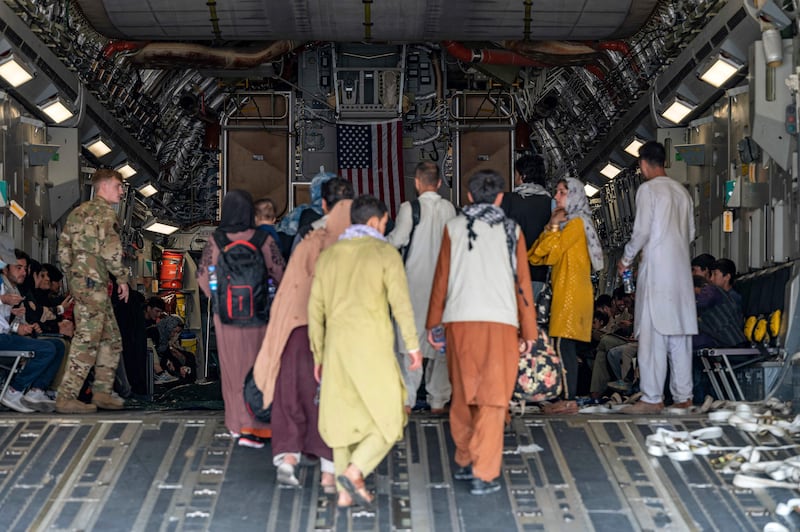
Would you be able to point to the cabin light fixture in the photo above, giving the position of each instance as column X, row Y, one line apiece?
column 147, row 190
column 56, row 109
column 126, row 170
column 590, row 189
column 14, row 70
column 154, row 226
column 677, row 109
column 99, row 146
column 611, row 170
column 633, row 147
column 720, row 70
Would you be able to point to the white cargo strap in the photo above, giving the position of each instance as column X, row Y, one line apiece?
column 681, row 446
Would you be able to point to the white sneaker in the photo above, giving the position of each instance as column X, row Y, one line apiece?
column 164, row 378
column 38, row 400
column 286, row 475
column 13, row 400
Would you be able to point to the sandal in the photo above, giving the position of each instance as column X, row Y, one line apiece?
column 345, row 500
column 560, row 407
column 357, row 490
column 328, row 488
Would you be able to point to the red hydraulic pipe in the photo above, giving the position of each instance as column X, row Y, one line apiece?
column 489, row 57
column 114, row 47
column 597, row 71
column 616, row 46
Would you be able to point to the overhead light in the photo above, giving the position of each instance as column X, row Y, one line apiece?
column 720, row 70
column 154, row 226
column 611, row 170
column 590, row 189
column 773, row 47
column 99, row 146
column 147, row 190
column 126, row 170
column 56, row 109
column 677, row 110
column 15, row 71
column 633, row 147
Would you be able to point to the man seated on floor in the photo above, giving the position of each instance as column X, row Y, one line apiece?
column 26, row 392
column 154, row 308
column 620, row 360
column 154, row 311
column 618, row 331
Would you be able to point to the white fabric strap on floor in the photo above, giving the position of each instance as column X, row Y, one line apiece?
column 681, row 446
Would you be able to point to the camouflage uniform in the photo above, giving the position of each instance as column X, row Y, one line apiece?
column 88, row 250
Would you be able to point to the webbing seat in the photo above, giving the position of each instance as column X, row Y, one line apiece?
column 721, row 370
column 763, row 292
column 13, row 359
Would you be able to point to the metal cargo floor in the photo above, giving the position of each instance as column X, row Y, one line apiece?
column 181, row 471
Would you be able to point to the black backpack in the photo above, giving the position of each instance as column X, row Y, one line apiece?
column 415, row 210
column 242, row 297
column 254, row 399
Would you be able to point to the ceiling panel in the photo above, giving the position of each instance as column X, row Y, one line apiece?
column 409, row 20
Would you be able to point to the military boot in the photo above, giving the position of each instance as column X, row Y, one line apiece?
column 69, row 405
column 107, row 401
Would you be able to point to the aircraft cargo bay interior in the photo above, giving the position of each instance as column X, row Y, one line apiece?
column 369, row 265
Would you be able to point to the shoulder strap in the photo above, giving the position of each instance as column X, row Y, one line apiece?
column 415, row 210
column 259, row 237
column 221, row 239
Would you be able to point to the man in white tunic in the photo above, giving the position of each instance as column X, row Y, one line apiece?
column 665, row 316
column 422, row 242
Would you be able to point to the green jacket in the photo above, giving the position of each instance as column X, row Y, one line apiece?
column 90, row 246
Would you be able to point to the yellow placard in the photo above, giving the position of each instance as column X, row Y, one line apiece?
column 17, row 209
column 727, row 222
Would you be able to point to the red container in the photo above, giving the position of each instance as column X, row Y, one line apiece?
column 171, row 270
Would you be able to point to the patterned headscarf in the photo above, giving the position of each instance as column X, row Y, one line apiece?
column 359, row 230
column 578, row 207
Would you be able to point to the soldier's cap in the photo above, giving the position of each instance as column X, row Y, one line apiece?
column 7, row 254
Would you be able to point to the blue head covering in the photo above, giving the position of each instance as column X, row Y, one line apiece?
column 290, row 223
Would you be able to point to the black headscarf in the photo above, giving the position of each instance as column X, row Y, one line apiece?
column 238, row 213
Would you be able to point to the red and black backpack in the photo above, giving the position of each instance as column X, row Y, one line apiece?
column 242, row 297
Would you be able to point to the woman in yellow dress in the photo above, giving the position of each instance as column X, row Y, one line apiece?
column 570, row 245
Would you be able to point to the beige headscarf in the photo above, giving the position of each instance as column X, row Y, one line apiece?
column 290, row 308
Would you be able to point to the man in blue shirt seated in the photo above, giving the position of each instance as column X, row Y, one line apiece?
column 26, row 393
column 719, row 318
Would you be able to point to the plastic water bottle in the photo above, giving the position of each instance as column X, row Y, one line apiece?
column 627, row 281
column 212, row 279
column 271, row 289
column 439, row 337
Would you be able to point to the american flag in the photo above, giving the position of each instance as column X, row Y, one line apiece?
column 371, row 157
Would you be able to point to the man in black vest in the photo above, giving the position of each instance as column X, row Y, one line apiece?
column 529, row 205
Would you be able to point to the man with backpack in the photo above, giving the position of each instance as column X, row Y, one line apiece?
column 418, row 234
column 234, row 271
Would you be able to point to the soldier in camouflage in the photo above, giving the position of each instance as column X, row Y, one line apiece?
column 88, row 250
